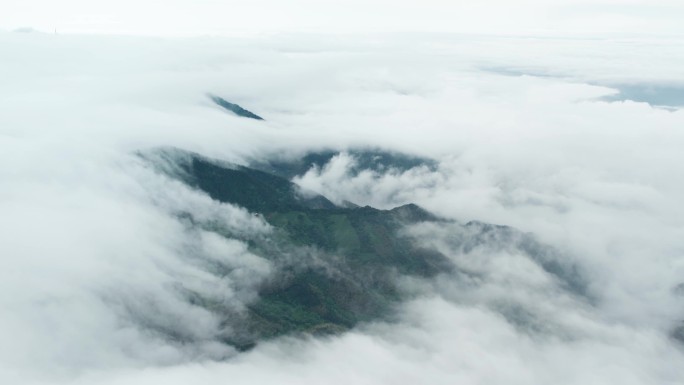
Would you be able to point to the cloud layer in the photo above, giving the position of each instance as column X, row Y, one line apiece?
column 94, row 245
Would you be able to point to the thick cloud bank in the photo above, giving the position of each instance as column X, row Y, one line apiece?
column 98, row 257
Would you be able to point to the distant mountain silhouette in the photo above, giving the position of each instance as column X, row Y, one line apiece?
column 234, row 108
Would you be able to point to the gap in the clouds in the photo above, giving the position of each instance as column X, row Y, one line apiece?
column 668, row 96
column 663, row 95
column 338, row 266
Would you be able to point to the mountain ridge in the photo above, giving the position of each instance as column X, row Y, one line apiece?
column 336, row 265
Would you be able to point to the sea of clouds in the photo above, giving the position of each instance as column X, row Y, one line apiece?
column 95, row 256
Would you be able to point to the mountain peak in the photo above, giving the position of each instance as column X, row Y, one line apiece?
column 234, row 108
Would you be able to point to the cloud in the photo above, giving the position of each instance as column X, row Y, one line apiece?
column 97, row 255
column 439, row 343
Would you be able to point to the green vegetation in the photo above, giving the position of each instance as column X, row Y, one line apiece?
column 334, row 266
column 357, row 250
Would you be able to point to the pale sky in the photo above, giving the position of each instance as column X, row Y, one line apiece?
column 211, row 17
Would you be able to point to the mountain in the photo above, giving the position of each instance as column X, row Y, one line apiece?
column 369, row 159
column 234, row 108
column 335, row 266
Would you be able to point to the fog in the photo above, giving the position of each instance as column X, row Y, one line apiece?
column 96, row 257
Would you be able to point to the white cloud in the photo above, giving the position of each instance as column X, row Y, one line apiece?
column 91, row 238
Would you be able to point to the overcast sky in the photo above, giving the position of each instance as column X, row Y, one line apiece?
column 213, row 17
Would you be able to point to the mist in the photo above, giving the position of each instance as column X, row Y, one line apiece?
column 97, row 254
